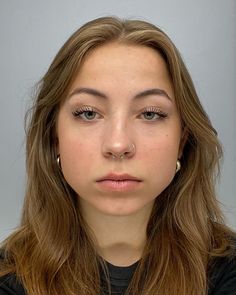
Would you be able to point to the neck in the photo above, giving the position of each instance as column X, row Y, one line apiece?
column 120, row 240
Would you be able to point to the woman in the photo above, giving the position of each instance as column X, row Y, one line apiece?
column 121, row 164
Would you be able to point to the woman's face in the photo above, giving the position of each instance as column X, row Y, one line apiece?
column 122, row 96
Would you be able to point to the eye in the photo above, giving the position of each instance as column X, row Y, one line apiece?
column 85, row 113
column 154, row 114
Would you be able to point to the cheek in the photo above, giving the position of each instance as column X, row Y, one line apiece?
column 161, row 157
column 163, row 148
column 76, row 157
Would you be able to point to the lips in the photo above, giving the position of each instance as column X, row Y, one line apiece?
column 118, row 177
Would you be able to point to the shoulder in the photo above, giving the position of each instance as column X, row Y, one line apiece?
column 9, row 285
column 222, row 276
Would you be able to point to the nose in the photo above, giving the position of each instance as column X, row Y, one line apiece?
column 118, row 143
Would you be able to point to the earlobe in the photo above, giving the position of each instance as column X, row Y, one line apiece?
column 183, row 141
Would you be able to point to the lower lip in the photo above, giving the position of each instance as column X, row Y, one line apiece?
column 120, row 186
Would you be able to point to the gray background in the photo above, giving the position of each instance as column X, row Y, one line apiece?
column 31, row 33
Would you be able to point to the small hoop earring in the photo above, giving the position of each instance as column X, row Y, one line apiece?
column 178, row 166
column 58, row 161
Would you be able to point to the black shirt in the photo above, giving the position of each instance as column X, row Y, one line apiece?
column 119, row 277
column 222, row 279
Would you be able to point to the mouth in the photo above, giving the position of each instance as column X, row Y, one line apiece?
column 119, row 177
column 119, row 185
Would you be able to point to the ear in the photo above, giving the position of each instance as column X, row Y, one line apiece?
column 56, row 140
column 55, row 143
column 183, row 140
column 57, row 146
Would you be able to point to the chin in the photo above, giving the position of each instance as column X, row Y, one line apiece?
column 121, row 209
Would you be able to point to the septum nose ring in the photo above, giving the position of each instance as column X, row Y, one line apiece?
column 122, row 155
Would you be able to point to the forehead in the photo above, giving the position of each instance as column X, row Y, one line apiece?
column 118, row 51
column 124, row 58
column 121, row 69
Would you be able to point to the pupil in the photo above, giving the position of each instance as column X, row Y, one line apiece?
column 149, row 114
column 90, row 113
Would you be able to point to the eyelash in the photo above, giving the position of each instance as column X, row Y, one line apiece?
column 161, row 115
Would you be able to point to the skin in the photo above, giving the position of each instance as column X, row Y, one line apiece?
column 85, row 144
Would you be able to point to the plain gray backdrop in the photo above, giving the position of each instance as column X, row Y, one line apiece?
column 33, row 31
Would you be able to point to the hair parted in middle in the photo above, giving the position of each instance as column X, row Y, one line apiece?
column 54, row 252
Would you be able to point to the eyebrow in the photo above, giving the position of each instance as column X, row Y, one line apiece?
column 94, row 92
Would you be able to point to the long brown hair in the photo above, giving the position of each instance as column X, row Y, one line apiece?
column 53, row 252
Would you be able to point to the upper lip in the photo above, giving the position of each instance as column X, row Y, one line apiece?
column 113, row 176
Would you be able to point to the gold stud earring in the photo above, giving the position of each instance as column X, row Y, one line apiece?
column 58, row 161
column 178, row 166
